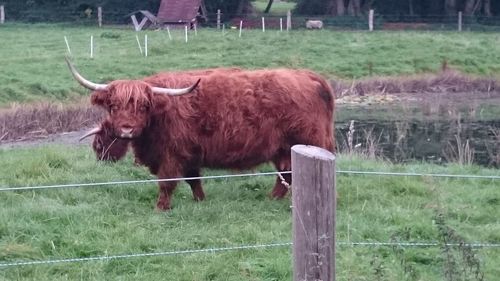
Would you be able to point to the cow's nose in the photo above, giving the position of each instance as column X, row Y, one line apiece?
column 126, row 130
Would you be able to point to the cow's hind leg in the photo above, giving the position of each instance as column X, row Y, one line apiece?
column 282, row 164
column 196, row 187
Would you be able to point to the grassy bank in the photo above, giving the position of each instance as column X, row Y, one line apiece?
column 33, row 66
column 94, row 221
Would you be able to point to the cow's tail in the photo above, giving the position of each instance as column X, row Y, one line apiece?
column 326, row 93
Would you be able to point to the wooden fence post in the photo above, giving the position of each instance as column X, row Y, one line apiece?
column 370, row 20
column 314, row 203
column 218, row 18
column 459, row 21
column 288, row 20
column 99, row 16
column 2, row 14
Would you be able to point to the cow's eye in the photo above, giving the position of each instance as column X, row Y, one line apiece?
column 143, row 108
column 113, row 108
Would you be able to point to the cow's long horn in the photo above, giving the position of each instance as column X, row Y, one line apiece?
column 175, row 92
column 94, row 131
column 84, row 82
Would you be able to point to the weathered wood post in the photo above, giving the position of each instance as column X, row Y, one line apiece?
column 370, row 20
column 99, row 16
column 2, row 14
column 459, row 21
column 314, row 203
column 288, row 20
column 218, row 18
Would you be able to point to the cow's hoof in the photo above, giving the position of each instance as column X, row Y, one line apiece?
column 163, row 206
column 279, row 192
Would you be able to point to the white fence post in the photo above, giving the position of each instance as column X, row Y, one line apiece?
column 2, row 14
column 218, row 18
column 138, row 43
column 67, row 44
column 241, row 26
column 99, row 16
column 91, row 46
column 370, row 20
column 313, row 208
column 459, row 21
column 263, row 25
column 288, row 20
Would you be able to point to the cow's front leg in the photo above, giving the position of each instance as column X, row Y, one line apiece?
column 196, row 187
column 166, row 188
column 165, row 195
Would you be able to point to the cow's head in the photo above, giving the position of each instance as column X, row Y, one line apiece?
column 128, row 102
column 105, row 145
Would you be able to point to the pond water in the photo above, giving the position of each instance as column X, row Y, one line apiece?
column 437, row 128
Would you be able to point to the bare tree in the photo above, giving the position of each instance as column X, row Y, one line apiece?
column 268, row 7
column 469, row 7
column 487, row 8
column 450, row 7
column 354, row 7
column 340, row 7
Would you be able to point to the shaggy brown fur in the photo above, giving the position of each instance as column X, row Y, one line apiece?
column 234, row 119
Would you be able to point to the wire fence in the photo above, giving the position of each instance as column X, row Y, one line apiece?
column 214, row 250
column 240, row 248
column 397, row 174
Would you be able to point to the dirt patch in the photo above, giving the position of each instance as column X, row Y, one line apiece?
column 444, row 82
column 42, row 120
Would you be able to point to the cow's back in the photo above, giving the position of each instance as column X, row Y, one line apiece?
column 247, row 117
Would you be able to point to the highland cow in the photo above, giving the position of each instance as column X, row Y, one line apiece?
column 179, row 123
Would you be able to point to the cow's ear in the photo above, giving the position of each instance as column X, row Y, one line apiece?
column 100, row 98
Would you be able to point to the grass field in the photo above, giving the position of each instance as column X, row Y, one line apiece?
column 33, row 67
column 112, row 220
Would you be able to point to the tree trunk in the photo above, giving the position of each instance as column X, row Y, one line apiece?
column 331, row 7
column 350, row 8
column 487, row 8
column 241, row 7
column 353, row 8
column 410, row 7
column 356, row 7
column 469, row 7
column 340, row 7
column 268, row 7
column 450, row 7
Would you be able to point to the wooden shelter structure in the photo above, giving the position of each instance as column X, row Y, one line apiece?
column 172, row 13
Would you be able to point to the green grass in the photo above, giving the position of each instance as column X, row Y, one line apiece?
column 279, row 8
column 111, row 220
column 33, row 67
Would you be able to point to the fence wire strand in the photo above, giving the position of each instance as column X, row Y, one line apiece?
column 237, row 248
column 75, row 185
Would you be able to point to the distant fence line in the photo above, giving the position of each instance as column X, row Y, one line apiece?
column 345, row 172
column 368, row 21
